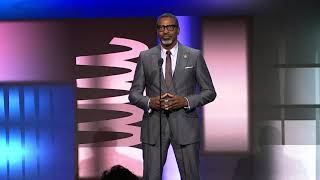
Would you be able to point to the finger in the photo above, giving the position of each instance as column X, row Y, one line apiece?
column 154, row 106
column 164, row 100
column 170, row 95
column 157, row 102
column 176, row 105
column 164, row 104
column 172, row 105
column 168, row 104
column 174, row 97
column 164, row 95
column 172, row 108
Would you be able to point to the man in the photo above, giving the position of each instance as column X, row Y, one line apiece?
column 183, row 68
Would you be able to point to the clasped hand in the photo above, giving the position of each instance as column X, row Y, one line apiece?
column 168, row 102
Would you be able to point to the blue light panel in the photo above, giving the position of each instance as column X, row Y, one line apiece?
column 14, row 104
column 36, row 142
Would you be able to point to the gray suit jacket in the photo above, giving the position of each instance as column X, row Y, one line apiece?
column 190, row 70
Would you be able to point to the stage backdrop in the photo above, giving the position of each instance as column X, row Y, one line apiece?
column 66, row 80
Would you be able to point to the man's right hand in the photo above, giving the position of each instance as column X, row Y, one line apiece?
column 155, row 101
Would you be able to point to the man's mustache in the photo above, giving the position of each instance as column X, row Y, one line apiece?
column 166, row 37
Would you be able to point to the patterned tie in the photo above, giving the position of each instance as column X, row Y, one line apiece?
column 168, row 73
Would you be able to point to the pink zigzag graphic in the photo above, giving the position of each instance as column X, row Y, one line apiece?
column 120, row 148
column 113, row 82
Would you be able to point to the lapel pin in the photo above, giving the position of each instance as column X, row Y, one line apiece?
column 185, row 56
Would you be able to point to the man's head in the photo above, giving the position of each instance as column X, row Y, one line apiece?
column 168, row 30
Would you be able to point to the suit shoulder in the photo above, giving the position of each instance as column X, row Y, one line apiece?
column 150, row 51
column 192, row 50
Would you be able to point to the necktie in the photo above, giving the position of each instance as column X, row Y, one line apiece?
column 168, row 73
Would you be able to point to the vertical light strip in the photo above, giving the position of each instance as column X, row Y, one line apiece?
column 15, row 151
column 2, row 109
column 226, row 120
column 282, row 85
column 14, row 105
column 31, row 153
column 45, row 156
column 317, row 95
column 29, row 108
column 3, row 153
column 3, row 141
column 37, row 121
column 30, row 134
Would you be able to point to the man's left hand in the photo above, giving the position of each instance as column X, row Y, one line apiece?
column 174, row 102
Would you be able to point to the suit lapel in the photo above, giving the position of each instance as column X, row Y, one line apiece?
column 182, row 59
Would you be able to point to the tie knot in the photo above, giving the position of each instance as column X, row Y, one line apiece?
column 168, row 53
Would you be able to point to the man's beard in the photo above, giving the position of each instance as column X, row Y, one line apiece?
column 167, row 41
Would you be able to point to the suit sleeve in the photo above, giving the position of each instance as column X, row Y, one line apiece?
column 138, row 85
column 203, row 78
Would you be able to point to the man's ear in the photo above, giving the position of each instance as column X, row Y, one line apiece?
column 178, row 30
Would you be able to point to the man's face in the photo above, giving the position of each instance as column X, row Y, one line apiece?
column 168, row 31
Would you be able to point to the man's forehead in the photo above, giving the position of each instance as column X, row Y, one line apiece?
column 166, row 20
